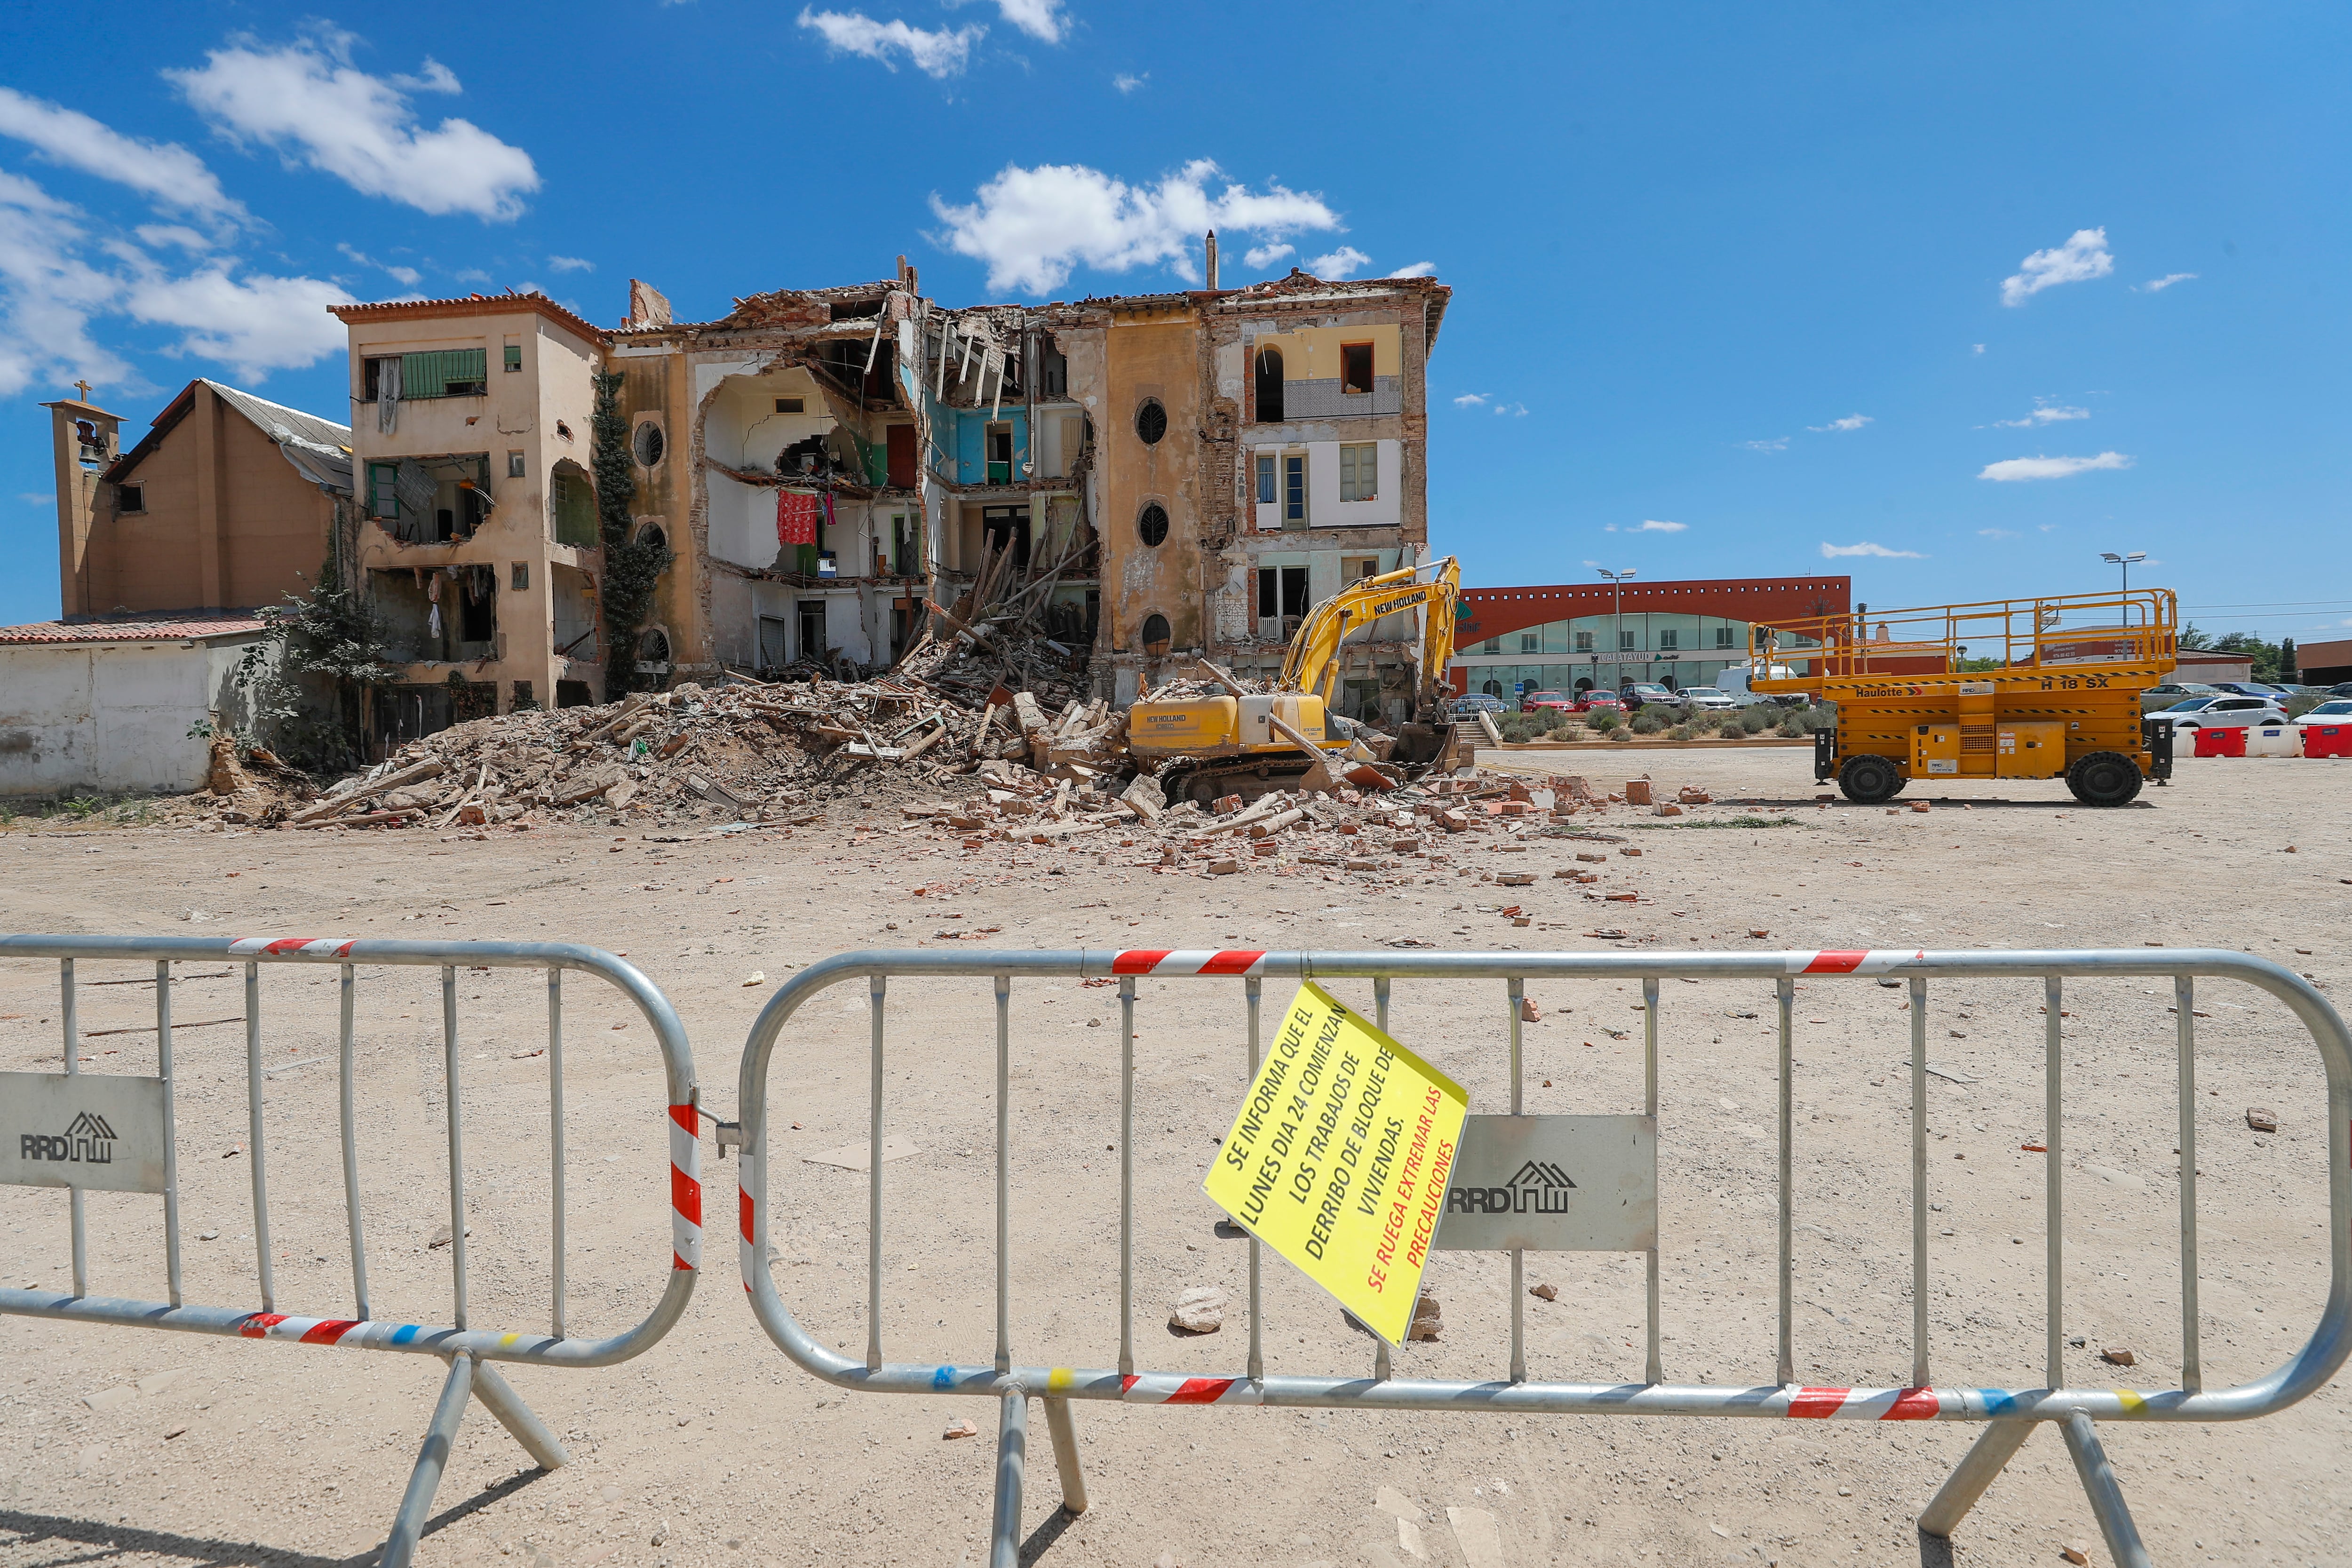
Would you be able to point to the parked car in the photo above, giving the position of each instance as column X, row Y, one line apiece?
column 1473, row 702
column 2176, row 689
column 2250, row 688
column 2334, row 711
column 1597, row 700
column 2228, row 712
column 1708, row 699
column 1642, row 693
column 1546, row 703
column 2341, row 689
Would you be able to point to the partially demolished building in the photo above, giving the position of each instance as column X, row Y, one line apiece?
column 842, row 472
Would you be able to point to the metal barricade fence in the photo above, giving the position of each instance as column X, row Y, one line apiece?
column 2009, row 1415
column 109, row 1131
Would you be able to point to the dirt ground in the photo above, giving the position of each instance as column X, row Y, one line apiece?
column 136, row 1448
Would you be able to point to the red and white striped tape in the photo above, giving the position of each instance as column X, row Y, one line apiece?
column 685, row 1189
column 316, row 946
column 1168, row 1388
column 1871, row 1404
column 1875, row 960
column 1188, row 960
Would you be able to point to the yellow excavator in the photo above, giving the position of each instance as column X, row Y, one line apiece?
column 1251, row 741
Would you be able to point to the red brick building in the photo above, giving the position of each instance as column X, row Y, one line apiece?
column 1573, row 636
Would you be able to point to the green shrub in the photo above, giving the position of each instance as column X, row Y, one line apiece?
column 1757, row 719
column 1647, row 723
column 1604, row 721
column 1791, row 728
column 1679, row 732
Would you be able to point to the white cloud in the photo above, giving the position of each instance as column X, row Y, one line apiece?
column 47, row 293
column 1851, row 422
column 1651, row 526
column 1831, row 552
column 51, row 292
column 2082, row 258
column 307, row 101
column 2158, row 285
column 1267, row 255
column 1998, row 534
column 38, row 498
column 164, row 171
column 1033, row 226
column 1041, row 19
column 159, row 235
column 2051, row 467
column 1470, row 400
column 1516, row 410
column 254, row 325
column 1777, row 444
column 1125, row 83
column 571, row 264
column 1976, row 348
column 2044, row 413
column 1341, row 263
column 407, row 276
column 936, row 52
column 1416, row 269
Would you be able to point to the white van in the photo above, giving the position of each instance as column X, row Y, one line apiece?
column 1733, row 683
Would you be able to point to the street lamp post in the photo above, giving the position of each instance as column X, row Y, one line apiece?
column 1617, row 654
column 2111, row 559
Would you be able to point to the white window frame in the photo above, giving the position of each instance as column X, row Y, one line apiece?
column 1359, row 470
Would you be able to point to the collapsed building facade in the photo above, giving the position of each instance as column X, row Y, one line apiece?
column 841, row 471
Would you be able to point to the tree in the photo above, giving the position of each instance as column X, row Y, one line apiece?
column 2288, row 675
column 632, row 567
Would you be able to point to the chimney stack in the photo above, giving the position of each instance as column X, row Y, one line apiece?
column 1212, row 258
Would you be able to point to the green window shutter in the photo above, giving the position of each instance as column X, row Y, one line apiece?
column 433, row 373
column 383, row 500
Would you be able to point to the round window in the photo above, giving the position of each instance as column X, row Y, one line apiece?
column 1151, row 422
column 1152, row 523
column 649, row 445
column 1155, row 635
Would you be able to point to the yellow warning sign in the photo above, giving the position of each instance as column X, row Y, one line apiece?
column 1339, row 1158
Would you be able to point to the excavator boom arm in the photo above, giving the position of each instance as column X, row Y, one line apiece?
column 1314, row 655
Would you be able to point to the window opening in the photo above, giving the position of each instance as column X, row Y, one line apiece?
column 1151, row 523
column 648, row 445
column 774, row 650
column 1723, row 637
column 791, row 404
column 1000, row 454
column 130, row 498
column 1359, row 470
column 1294, row 491
column 1007, row 525
column 514, row 353
column 515, row 467
column 1356, row 568
column 1151, row 422
column 1269, row 386
column 1355, row 368
column 1669, row 638
column 1265, row 478
column 1584, row 642
column 519, row 580
column 1531, row 642
column 1155, row 634
column 811, row 629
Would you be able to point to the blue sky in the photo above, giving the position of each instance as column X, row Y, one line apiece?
column 1734, row 285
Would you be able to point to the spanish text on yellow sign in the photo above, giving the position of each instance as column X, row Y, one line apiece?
column 1339, row 1158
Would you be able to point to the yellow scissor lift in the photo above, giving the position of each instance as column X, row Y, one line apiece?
column 2057, row 694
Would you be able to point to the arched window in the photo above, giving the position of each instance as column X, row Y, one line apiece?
column 652, row 536
column 1269, row 386
column 1151, row 523
column 1155, row 635
column 1151, row 421
column 653, row 646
